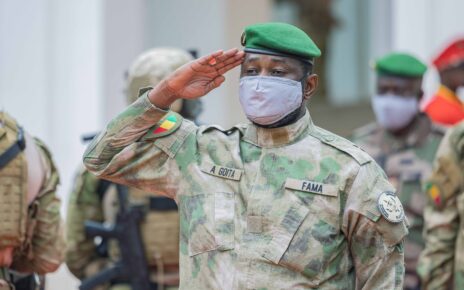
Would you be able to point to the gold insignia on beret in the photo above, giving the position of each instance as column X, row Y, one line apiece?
column 243, row 38
column 390, row 207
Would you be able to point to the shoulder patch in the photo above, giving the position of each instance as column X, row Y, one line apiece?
column 168, row 124
column 434, row 194
column 390, row 207
column 342, row 144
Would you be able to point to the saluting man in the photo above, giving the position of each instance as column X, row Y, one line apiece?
column 277, row 203
column 404, row 142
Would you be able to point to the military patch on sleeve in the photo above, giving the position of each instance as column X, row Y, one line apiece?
column 434, row 193
column 165, row 126
column 390, row 207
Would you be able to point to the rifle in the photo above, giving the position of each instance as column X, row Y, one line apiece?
column 133, row 265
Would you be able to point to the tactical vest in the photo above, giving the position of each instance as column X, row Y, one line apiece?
column 13, row 183
column 160, row 228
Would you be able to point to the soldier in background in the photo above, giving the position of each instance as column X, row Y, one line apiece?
column 31, row 231
column 441, row 264
column 403, row 141
column 91, row 200
column 447, row 105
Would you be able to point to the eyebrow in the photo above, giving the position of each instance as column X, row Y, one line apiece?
column 279, row 60
column 273, row 59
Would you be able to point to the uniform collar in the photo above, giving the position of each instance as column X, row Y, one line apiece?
column 416, row 135
column 276, row 137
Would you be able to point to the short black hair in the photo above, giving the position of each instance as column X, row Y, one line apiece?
column 306, row 68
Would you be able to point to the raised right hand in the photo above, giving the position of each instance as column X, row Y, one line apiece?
column 196, row 78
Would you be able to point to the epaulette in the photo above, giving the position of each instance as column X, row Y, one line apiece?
column 341, row 144
column 364, row 131
column 168, row 124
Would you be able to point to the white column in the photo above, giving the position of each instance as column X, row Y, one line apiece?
column 75, row 92
column 424, row 28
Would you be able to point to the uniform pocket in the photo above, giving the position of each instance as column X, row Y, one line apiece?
column 305, row 227
column 209, row 219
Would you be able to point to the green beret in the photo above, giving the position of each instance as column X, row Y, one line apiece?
column 400, row 64
column 279, row 39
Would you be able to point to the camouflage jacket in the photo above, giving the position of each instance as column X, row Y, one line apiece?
column 286, row 208
column 81, row 255
column 443, row 256
column 407, row 161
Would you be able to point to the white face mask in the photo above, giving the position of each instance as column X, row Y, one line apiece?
column 460, row 93
column 267, row 100
column 394, row 112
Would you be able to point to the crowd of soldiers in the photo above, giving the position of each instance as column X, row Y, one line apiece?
column 278, row 203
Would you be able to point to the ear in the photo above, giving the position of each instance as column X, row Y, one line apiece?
column 311, row 86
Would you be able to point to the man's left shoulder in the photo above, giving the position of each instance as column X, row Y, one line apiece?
column 341, row 144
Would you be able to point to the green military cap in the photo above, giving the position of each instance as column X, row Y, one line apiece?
column 400, row 64
column 279, row 39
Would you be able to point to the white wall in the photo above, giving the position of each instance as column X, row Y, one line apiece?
column 50, row 73
column 425, row 27
column 124, row 36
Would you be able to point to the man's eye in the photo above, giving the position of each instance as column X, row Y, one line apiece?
column 251, row 71
column 277, row 72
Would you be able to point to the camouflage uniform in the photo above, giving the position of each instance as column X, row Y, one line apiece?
column 407, row 161
column 160, row 230
column 286, row 208
column 443, row 256
column 41, row 242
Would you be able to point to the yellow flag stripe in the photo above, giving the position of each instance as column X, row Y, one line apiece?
column 434, row 193
column 167, row 124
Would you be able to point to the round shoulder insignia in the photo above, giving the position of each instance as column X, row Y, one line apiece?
column 390, row 206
